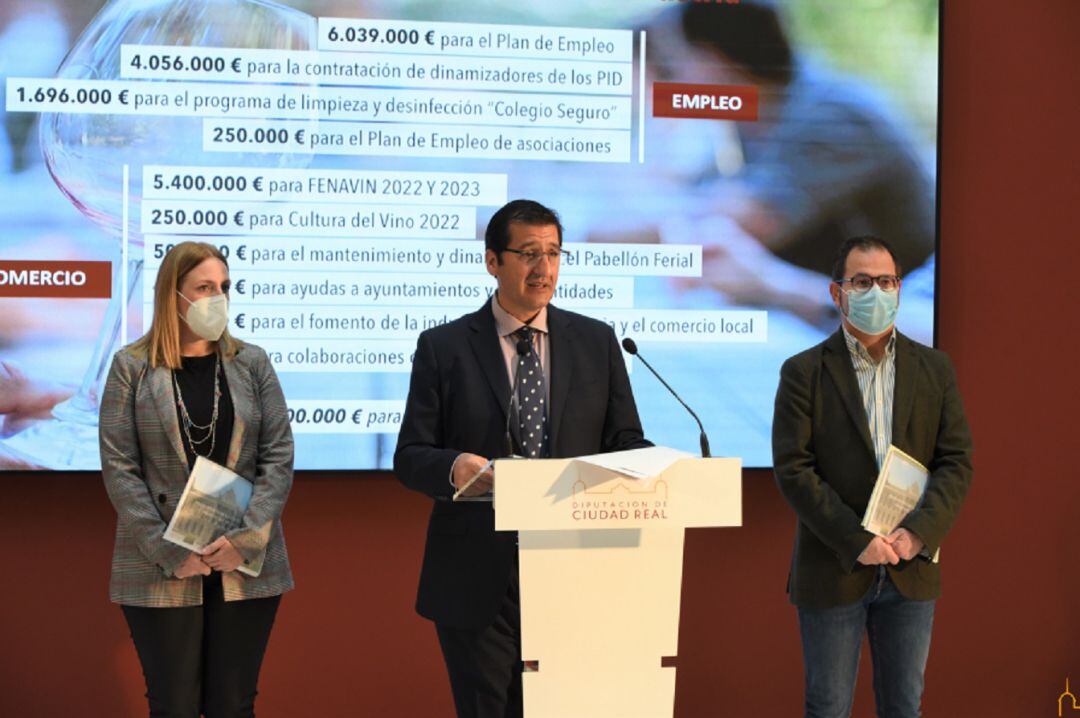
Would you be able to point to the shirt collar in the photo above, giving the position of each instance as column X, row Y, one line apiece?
column 857, row 349
column 507, row 324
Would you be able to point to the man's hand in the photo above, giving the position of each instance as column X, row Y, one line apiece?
column 465, row 468
column 877, row 552
column 906, row 544
column 222, row 556
column 192, row 566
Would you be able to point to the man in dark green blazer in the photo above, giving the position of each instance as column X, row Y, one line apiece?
column 839, row 406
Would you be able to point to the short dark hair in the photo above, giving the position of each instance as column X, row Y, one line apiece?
column 864, row 243
column 750, row 34
column 525, row 211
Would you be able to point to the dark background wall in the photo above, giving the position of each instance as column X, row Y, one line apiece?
column 1008, row 627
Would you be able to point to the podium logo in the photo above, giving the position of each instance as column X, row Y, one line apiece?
column 620, row 500
column 1067, row 694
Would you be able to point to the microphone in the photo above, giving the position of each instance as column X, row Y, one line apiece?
column 523, row 347
column 631, row 348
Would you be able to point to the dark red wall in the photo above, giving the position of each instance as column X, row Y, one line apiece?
column 1007, row 630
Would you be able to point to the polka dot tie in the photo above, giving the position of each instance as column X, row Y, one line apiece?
column 532, row 412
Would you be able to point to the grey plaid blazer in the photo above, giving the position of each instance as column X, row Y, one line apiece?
column 145, row 470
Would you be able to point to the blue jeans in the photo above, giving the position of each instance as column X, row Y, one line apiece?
column 899, row 632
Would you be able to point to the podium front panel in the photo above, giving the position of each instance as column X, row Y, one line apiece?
column 601, row 577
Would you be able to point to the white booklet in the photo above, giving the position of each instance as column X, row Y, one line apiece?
column 898, row 491
column 213, row 503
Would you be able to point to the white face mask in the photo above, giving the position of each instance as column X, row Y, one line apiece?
column 207, row 316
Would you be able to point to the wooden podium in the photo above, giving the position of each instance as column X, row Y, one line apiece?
column 601, row 575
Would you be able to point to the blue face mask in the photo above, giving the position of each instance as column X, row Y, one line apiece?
column 873, row 312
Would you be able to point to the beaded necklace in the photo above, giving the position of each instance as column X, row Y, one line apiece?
column 188, row 425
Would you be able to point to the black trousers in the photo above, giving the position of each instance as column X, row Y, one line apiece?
column 485, row 665
column 203, row 659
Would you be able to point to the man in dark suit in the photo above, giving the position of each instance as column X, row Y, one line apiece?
column 572, row 398
column 839, row 406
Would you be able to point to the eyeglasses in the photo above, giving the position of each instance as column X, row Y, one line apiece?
column 861, row 283
column 532, row 257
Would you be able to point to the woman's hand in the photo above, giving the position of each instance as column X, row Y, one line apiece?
column 193, row 565
column 222, row 556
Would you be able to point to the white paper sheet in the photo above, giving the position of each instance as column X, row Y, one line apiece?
column 637, row 463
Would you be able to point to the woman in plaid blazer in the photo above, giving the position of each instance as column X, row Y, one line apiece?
column 184, row 389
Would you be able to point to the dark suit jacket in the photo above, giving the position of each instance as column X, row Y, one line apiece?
column 825, row 466
column 457, row 403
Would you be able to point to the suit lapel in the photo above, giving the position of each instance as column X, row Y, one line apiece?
column 561, row 366
column 243, row 405
column 484, row 341
column 907, row 369
column 837, row 362
column 161, row 389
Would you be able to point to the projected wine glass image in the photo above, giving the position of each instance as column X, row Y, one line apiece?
column 86, row 155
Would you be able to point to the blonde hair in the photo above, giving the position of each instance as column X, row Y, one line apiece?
column 161, row 345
